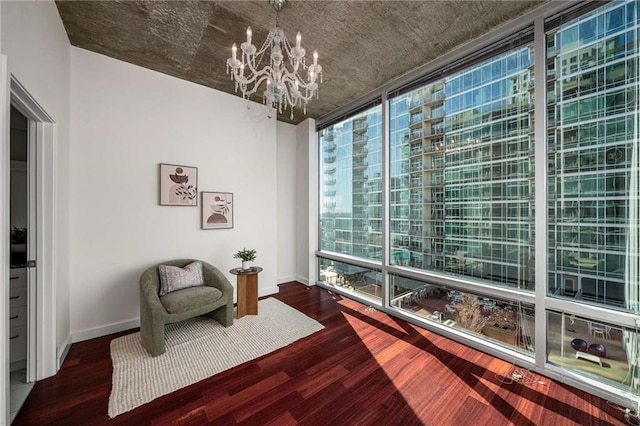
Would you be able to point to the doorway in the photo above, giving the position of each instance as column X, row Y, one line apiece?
column 44, row 355
column 21, row 206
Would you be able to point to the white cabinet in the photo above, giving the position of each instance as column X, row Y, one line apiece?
column 18, row 314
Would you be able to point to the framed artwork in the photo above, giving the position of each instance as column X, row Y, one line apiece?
column 217, row 210
column 178, row 185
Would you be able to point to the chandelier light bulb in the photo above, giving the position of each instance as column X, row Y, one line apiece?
column 315, row 57
column 249, row 34
column 298, row 39
column 234, row 51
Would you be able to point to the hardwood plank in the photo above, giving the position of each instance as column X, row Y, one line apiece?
column 365, row 368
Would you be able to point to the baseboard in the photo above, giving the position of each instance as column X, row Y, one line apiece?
column 63, row 351
column 92, row 333
column 286, row 279
column 18, row 365
column 266, row 291
column 303, row 280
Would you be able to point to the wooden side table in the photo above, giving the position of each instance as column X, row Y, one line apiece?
column 247, row 290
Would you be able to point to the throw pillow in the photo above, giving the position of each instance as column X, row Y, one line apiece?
column 174, row 278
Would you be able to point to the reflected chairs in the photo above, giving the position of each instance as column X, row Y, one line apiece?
column 579, row 345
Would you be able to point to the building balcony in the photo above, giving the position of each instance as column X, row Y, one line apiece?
column 360, row 152
column 330, row 182
column 437, row 96
column 415, row 136
column 360, row 165
column 330, row 193
column 416, row 119
column 329, row 135
column 360, row 127
column 330, row 159
column 330, row 170
column 416, row 103
column 329, row 147
column 360, row 140
column 433, row 252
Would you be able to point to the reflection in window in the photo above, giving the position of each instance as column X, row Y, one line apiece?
column 469, row 173
column 593, row 234
column 367, row 282
column 594, row 348
column 351, row 186
column 506, row 323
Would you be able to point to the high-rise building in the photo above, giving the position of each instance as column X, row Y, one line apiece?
column 352, row 186
column 593, row 83
column 468, row 172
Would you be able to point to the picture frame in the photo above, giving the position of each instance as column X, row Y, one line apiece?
column 178, row 185
column 217, row 210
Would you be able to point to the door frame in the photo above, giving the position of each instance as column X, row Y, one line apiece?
column 41, row 346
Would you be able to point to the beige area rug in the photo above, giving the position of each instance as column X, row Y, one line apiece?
column 197, row 349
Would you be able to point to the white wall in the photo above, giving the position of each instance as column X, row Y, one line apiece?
column 306, row 201
column 286, row 202
column 38, row 52
column 125, row 121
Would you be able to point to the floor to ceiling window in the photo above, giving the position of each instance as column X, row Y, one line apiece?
column 592, row 180
column 351, row 199
column 460, row 153
column 467, row 174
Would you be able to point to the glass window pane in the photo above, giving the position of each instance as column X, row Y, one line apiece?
column 593, row 348
column 593, row 256
column 507, row 323
column 367, row 282
column 351, row 186
column 468, row 173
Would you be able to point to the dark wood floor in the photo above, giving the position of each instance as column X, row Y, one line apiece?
column 364, row 368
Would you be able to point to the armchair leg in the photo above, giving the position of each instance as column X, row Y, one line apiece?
column 224, row 315
column 152, row 337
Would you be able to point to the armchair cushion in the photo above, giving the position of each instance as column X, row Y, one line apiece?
column 173, row 278
column 190, row 298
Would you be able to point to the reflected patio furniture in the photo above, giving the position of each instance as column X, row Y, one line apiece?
column 330, row 277
column 585, row 262
column 589, row 357
column 599, row 330
column 598, row 349
column 579, row 345
column 578, row 295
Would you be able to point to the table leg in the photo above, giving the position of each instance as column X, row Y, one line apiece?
column 247, row 295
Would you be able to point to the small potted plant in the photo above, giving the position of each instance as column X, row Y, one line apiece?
column 246, row 256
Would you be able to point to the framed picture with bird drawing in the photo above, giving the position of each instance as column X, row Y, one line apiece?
column 178, row 185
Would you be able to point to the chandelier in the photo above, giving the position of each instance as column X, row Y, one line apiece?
column 285, row 87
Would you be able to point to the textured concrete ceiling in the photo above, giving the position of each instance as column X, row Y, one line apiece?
column 362, row 44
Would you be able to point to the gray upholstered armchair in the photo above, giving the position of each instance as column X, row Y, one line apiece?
column 214, row 299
